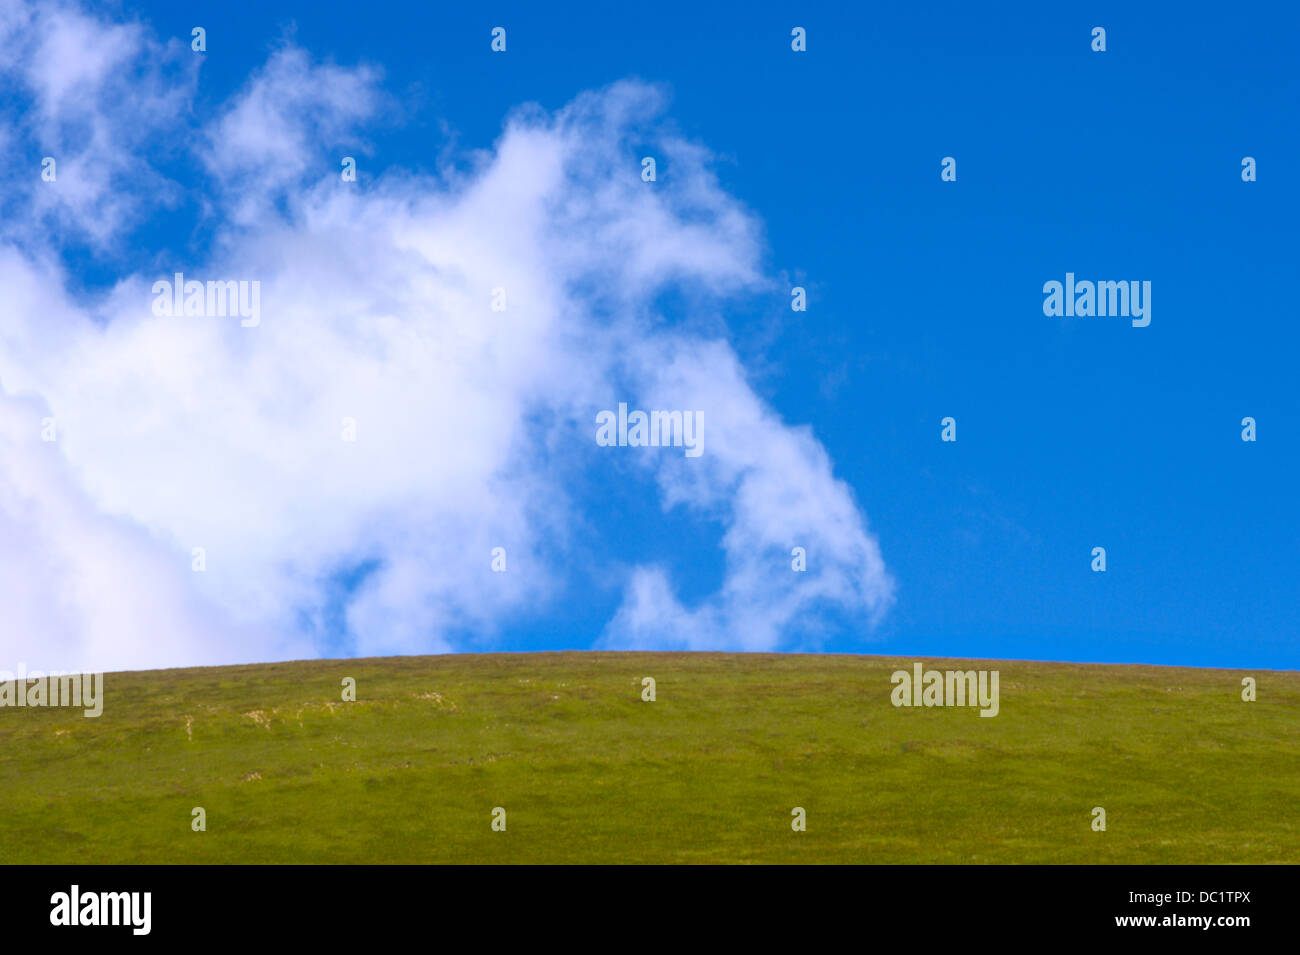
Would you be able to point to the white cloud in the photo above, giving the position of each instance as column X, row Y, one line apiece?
column 376, row 305
column 267, row 139
column 773, row 489
column 95, row 97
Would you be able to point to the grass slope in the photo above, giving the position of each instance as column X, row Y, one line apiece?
column 709, row 772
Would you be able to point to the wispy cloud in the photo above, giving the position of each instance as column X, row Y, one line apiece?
column 99, row 98
column 376, row 307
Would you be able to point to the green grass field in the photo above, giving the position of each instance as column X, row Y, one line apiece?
column 587, row 772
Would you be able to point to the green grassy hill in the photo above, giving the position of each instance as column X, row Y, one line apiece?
column 708, row 772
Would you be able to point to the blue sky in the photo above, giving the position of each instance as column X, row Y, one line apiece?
column 925, row 301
